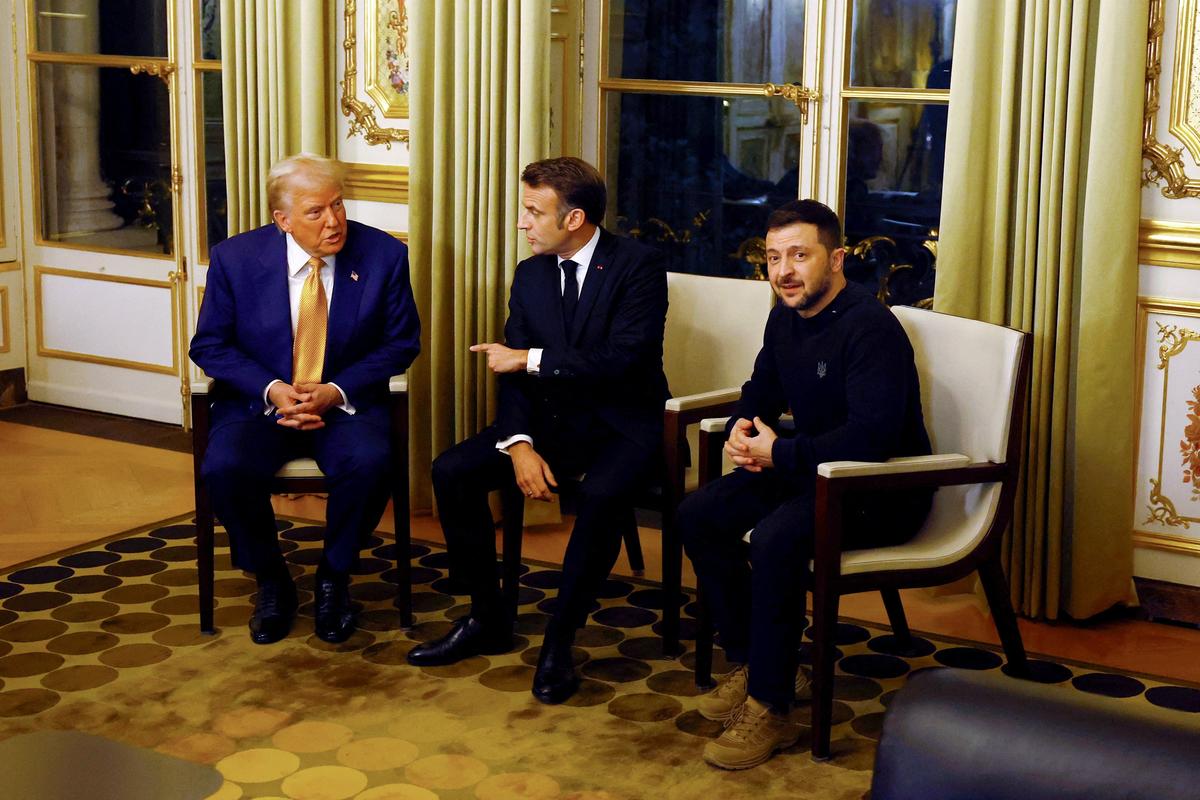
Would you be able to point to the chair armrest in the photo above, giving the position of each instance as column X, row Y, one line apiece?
column 893, row 466
column 692, row 402
column 202, row 386
column 714, row 424
column 398, row 384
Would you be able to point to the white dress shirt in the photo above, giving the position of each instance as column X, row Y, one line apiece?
column 583, row 260
column 298, row 272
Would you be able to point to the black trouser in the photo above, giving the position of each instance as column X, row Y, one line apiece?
column 243, row 457
column 758, row 607
column 614, row 467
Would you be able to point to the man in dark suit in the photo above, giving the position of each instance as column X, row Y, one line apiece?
column 303, row 322
column 581, row 391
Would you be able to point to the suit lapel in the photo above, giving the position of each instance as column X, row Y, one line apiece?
column 597, row 272
column 349, row 276
column 275, row 307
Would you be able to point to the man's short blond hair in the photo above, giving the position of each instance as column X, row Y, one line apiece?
column 300, row 168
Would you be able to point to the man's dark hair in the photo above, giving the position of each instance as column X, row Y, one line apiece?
column 577, row 183
column 829, row 228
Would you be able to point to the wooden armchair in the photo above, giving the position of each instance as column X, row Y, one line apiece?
column 974, row 389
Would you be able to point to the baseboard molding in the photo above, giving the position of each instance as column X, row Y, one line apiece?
column 95, row 399
column 1169, row 601
column 12, row 387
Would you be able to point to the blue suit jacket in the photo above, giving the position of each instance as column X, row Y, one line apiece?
column 244, row 334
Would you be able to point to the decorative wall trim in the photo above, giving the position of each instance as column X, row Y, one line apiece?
column 1163, row 243
column 360, row 114
column 10, row 266
column 391, row 102
column 1157, row 493
column 384, row 184
column 1185, row 119
column 1166, row 163
column 5, row 328
column 144, row 366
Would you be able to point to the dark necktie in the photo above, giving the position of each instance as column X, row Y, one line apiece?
column 570, row 298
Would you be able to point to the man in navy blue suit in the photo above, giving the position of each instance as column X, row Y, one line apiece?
column 581, row 391
column 303, row 322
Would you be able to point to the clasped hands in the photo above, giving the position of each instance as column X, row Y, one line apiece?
column 749, row 444
column 301, row 406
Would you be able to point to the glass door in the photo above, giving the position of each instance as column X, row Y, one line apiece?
column 106, row 275
column 707, row 124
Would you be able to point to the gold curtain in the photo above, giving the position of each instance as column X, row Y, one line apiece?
column 277, row 84
column 478, row 112
column 1043, row 157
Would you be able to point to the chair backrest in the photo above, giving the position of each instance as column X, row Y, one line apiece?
column 714, row 331
column 969, row 371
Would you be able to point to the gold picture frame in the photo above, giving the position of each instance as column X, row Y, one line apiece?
column 385, row 75
column 1166, row 167
column 361, row 115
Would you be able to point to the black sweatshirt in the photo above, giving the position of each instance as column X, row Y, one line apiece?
column 848, row 377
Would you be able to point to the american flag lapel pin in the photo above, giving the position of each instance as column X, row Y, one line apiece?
column 353, row 275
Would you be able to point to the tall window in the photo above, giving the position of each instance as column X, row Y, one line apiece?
column 713, row 113
column 210, row 134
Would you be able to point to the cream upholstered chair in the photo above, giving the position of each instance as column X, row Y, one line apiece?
column 974, row 383
column 298, row 476
column 713, row 332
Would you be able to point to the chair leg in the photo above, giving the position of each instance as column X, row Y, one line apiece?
column 204, row 557
column 672, row 586
column 512, row 505
column 400, row 517
column 633, row 547
column 895, row 612
column 824, row 624
column 704, row 642
column 995, row 586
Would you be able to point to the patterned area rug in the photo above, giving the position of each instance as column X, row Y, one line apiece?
column 106, row 641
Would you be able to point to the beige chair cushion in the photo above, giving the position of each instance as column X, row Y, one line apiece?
column 300, row 468
column 968, row 376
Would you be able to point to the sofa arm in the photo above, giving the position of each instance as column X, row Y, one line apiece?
column 691, row 402
column 398, row 384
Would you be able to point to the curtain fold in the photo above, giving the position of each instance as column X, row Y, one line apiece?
column 1043, row 158
column 277, row 86
column 478, row 109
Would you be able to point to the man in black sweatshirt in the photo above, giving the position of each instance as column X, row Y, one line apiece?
column 841, row 363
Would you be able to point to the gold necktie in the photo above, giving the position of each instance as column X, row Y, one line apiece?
column 308, row 354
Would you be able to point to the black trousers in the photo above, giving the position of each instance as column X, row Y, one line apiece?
column 615, row 469
column 242, row 457
column 758, row 605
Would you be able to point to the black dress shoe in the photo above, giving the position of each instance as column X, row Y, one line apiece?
column 274, row 611
column 335, row 616
column 555, row 679
column 469, row 637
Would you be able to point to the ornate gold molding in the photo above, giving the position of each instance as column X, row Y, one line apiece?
column 1163, row 243
column 1185, row 117
column 1171, row 341
column 398, row 22
column 1162, row 510
column 384, row 184
column 1166, row 163
column 360, row 115
column 1167, row 542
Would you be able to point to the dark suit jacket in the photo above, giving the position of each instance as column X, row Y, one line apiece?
column 609, row 364
column 244, row 334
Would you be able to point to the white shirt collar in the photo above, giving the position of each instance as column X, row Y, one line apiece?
column 583, row 256
column 297, row 258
